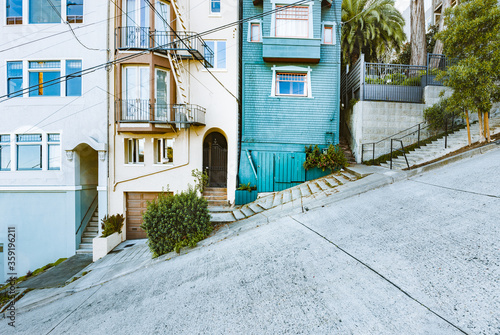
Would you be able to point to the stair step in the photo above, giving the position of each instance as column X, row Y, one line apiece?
column 314, row 188
column 84, row 251
column 217, row 202
column 91, row 229
column 238, row 214
column 87, row 239
column 85, row 245
column 247, row 211
column 277, row 200
column 215, row 197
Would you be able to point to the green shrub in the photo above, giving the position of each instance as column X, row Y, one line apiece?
column 200, row 179
column 246, row 187
column 441, row 114
column 333, row 159
column 112, row 224
column 174, row 221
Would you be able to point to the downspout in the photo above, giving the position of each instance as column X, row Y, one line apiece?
column 165, row 170
column 108, row 86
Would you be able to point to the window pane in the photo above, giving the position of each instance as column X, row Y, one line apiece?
column 74, row 11
column 328, row 33
column 29, row 157
column 14, row 8
column 48, row 83
column 283, row 87
column 215, row 6
column 221, row 55
column 29, row 138
column 14, row 78
column 4, row 157
column 54, row 157
column 41, row 11
column 255, row 32
column 210, row 45
column 73, row 83
column 169, row 150
column 141, row 150
column 54, row 137
column 161, row 87
column 292, row 22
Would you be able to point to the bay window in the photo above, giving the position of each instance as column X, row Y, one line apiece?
column 162, row 110
column 135, row 83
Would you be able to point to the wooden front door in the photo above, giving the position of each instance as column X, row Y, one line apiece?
column 137, row 203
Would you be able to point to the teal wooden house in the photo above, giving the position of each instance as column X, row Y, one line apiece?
column 290, row 85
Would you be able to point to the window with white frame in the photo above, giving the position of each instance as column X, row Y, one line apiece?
column 135, row 81
column 254, row 31
column 29, row 151
column 73, row 78
column 14, row 11
column 74, row 11
column 329, row 36
column 5, row 152
column 134, row 150
column 215, row 6
column 292, row 81
column 44, row 11
column 54, row 151
column 14, row 79
column 164, row 150
column 219, row 49
column 292, row 21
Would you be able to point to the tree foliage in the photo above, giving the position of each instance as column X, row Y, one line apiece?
column 441, row 115
column 472, row 41
column 371, row 27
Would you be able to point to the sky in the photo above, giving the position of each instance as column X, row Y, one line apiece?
column 401, row 5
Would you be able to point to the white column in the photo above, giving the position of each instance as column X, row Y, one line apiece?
column 102, row 186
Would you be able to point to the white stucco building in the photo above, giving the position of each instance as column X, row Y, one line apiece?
column 171, row 116
column 53, row 127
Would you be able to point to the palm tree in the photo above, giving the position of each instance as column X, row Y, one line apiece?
column 371, row 27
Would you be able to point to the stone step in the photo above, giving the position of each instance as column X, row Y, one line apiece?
column 322, row 184
column 247, row 211
column 220, row 209
column 222, row 217
column 238, row 214
column 277, row 200
column 314, row 188
column 85, row 245
column 83, row 251
column 215, row 197
column 87, row 239
column 348, row 176
column 216, row 203
column 91, row 229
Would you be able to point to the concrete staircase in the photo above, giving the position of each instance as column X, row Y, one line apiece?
column 436, row 149
column 293, row 197
column 89, row 233
column 347, row 150
column 216, row 196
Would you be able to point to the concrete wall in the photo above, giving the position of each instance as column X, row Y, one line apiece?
column 371, row 121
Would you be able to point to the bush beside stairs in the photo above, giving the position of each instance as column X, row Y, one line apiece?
column 436, row 149
column 293, row 197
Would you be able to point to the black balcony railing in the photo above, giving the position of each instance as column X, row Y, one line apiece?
column 141, row 110
column 186, row 44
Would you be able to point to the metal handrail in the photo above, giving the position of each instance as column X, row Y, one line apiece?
column 251, row 164
column 402, row 150
column 88, row 209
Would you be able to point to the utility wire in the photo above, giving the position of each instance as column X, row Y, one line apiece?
column 55, row 81
column 72, row 31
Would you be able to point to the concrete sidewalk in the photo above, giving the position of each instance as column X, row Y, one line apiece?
column 131, row 256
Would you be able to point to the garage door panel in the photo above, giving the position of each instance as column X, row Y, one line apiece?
column 137, row 203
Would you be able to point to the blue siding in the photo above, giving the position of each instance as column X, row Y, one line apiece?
column 284, row 125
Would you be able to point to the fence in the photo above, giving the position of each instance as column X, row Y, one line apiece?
column 390, row 82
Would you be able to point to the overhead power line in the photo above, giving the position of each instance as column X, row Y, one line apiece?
column 83, row 72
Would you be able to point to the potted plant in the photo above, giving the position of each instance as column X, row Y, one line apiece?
column 110, row 238
column 245, row 194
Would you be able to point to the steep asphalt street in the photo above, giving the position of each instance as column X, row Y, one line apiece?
column 420, row 256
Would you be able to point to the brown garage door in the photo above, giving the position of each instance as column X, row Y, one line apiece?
column 136, row 205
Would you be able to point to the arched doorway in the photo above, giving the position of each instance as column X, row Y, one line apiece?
column 215, row 159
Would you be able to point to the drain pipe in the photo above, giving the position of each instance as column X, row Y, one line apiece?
column 165, row 170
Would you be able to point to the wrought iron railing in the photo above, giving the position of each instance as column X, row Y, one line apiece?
column 435, row 63
column 188, row 44
column 134, row 110
column 141, row 110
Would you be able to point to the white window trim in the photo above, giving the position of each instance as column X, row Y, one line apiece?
column 334, row 32
column 45, row 151
column 289, row 2
column 249, row 35
column 217, row 69
column 214, row 14
column 292, row 69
